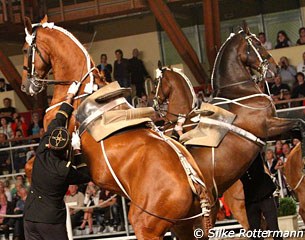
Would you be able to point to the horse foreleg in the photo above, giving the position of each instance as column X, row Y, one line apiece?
column 145, row 226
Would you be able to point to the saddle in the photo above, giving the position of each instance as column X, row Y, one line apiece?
column 205, row 134
column 100, row 115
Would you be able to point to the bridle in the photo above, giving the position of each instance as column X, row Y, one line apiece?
column 263, row 67
column 157, row 99
column 33, row 77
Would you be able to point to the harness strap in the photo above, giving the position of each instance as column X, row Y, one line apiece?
column 234, row 129
column 299, row 182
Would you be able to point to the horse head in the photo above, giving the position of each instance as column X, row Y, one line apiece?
column 36, row 60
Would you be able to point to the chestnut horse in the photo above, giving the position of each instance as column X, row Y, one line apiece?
column 147, row 166
column 233, row 84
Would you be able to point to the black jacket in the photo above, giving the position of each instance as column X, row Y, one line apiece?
column 51, row 178
column 257, row 184
column 137, row 70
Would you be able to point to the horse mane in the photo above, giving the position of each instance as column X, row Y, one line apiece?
column 215, row 83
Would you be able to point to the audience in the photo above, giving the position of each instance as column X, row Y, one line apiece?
column 266, row 44
column 77, row 198
column 7, row 111
column 6, row 207
column 17, row 223
column 287, row 72
column 4, row 86
column 36, row 125
column 138, row 72
column 301, row 40
column 282, row 40
column 6, row 128
column 301, row 65
column 105, row 68
column 19, row 124
column 299, row 90
column 5, row 161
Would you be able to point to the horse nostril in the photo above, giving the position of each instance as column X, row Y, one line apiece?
column 23, row 88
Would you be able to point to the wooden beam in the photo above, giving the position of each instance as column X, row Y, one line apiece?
column 14, row 78
column 209, row 32
column 179, row 40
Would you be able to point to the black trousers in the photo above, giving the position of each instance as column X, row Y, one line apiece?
column 45, row 231
column 267, row 207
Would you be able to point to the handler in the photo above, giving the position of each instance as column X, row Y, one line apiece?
column 259, row 200
column 45, row 212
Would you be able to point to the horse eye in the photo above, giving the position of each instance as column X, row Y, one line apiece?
column 25, row 51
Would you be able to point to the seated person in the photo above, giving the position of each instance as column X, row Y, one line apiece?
column 6, row 128
column 4, row 86
column 7, row 111
column 36, row 126
column 92, row 196
column 6, row 207
column 299, row 90
column 280, row 91
column 109, row 209
column 17, row 223
column 77, row 198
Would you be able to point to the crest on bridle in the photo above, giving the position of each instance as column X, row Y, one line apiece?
column 59, row 138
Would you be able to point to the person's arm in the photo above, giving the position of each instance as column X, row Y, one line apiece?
column 292, row 70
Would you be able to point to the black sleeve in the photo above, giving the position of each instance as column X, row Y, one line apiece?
column 272, row 168
column 60, row 119
column 78, row 176
column 144, row 69
column 109, row 68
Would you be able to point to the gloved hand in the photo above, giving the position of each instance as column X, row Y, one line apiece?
column 181, row 119
column 75, row 141
column 74, row 88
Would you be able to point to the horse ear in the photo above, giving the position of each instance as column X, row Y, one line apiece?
column 159, row 65
column 245, row 27
column 28, row 25
column 45, row 19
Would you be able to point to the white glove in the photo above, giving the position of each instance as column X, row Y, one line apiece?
column 181, row 119
column 75, row 141
column 74, row 88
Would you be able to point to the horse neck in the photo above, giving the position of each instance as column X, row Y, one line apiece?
column 67, row 65
column 180, row 96
column 229, row 76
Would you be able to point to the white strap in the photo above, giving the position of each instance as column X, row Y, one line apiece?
column 299, row 183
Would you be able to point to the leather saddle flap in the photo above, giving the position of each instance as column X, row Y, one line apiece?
column 209, row 135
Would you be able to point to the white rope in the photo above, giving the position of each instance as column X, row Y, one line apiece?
column 237, row 100
column 97, row 206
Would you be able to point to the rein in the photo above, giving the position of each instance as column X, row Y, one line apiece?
column 299, row 182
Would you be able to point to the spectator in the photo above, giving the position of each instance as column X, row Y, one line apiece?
column 7, row 111
column 109, row 209
column 266, row 44
column 92, row 197
column 270, row 161
column 138, row 72
column 286, row 150
column 18, row 222
column 287, row 72
column 4, row 86
column 19, row 124
column 278, row 88
column 19, row 182
column 301, row 40
column 121, row 69
column 105, row 68
column 282, row 40
column 6, row 128
column 19, row 153
column 5, row 162
column 5, row 190
column 6, row 207
column 78, row 198
column 278, row 149
column 299, row 90
column 142, row 102
column 301, row 66
column 36, row 125
column 32, row 151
